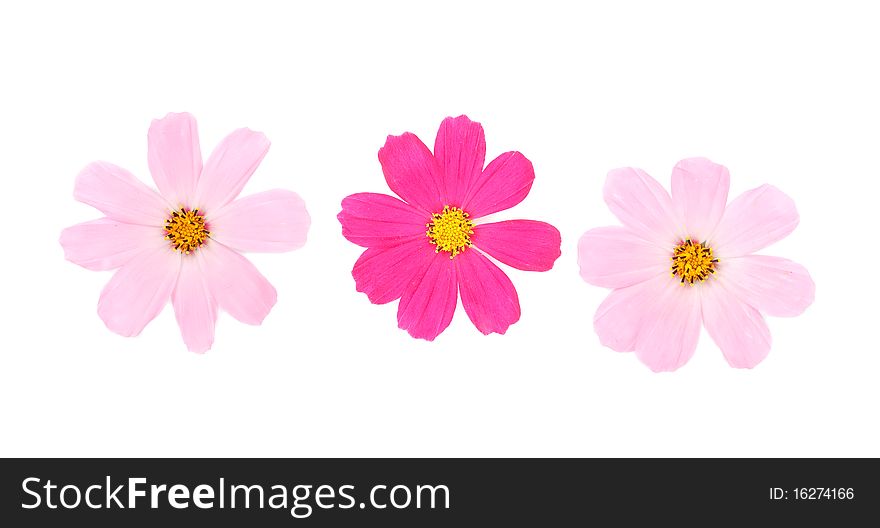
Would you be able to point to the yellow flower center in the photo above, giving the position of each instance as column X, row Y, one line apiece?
column 186, row 229
column 693, row 261
column 450, row 230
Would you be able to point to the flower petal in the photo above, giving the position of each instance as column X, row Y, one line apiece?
column 194, row 307
column 460, row 151
column 229, row 168
column 755, row 220
column 737, row 328
column 505, row 182
column 139, row 290
column 487, row 294
column 412, row 172
column 773, row 285
column 379, row 220
column 658, row 319
column 617, row 319
column 236, row 284
column 523, row 244
column 270, row 221
column 643, row 205
column 174, row 157
column 118, row 194
column 699, row 193
column 384, row 273
column 669, row 334
column 428, row 302
column 614, row 257
column 106, row 244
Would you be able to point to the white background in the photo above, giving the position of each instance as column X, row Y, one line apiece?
column 781, row 93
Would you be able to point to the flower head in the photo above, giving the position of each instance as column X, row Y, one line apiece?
column 183, row 243
column 685, row 260
column 429, row 247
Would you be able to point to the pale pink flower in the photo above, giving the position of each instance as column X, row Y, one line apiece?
column 686, row 260
column 183, row 243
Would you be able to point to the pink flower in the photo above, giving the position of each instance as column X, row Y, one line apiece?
column 183, row 242
column 431, row 247
column 687, row 259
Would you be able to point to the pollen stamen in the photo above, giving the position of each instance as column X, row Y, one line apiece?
column 187, row 230
column 450, row 230
column 693, row 261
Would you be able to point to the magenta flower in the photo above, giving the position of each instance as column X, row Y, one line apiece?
column 431, row 247
column 687, row 259
column 183, row 242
